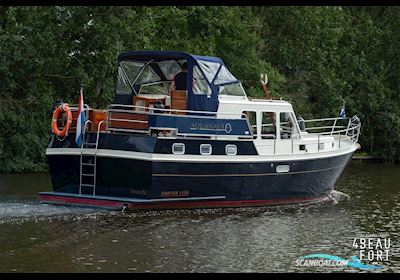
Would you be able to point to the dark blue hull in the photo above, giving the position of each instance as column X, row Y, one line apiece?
column 236, row 181
column 218, row 184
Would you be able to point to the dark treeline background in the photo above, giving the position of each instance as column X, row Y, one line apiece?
column 315, row 57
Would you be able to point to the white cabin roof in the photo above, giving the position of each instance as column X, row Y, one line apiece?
column 234, row 105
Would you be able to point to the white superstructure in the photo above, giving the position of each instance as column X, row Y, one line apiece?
column 276, row 129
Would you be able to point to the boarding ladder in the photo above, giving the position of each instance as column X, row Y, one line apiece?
column 88, row 161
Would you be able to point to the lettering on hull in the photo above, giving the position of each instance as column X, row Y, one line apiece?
column 175, row 194
column 209, row 126
column 132, row 191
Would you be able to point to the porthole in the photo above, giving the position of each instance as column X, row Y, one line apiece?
column 231, row 150
column 282, row 168
column 178, row 148
column 205, row 149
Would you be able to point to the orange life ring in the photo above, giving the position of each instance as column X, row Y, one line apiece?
column 61, row 108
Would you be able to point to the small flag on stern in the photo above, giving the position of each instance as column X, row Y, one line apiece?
column 80, row 124
column 342, row 113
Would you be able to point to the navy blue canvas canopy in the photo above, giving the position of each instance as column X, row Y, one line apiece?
column 165, row 55
column 203, row 75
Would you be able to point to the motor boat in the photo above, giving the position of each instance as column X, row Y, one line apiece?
column 194, row 142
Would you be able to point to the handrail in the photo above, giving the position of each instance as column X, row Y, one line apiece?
column 98, row 133
column 95, row 154
column 128, row 109
column 340, row 132
column 326, row 119
column 167, row 110
column 84, row 131
column 333, row 127
column 324, row 127
column 330, row 133
column 76, row 107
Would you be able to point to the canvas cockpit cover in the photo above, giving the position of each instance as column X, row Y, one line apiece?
column 205, row 75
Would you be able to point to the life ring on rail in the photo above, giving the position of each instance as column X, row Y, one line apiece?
column 62, row 108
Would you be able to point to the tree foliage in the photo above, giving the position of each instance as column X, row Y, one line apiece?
column 316, row 57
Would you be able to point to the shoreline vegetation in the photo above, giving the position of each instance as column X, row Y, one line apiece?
column 316, row 57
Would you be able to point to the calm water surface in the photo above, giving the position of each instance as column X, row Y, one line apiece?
column 45, row 238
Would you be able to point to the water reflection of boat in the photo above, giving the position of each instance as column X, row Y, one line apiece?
column 157, row 147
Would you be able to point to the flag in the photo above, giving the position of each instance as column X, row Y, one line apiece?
column 80, row 123
column 342, row 113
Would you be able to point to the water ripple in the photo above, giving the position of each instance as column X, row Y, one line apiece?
column 259, row 239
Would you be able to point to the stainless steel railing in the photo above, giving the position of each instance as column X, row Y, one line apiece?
column 347, row 131
column 350, row 130
column 343, row 130
column 133, row 110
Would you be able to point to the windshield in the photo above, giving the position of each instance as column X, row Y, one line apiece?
column 156, row 88
column 235, row 89
column 153, row 76
column 127, row 72
column 224, row 76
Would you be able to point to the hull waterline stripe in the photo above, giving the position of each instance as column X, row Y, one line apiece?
column 128, row 199
column 229, row 203
column 246, row 175
column 93, row 202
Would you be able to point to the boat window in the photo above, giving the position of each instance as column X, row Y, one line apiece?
column 252, row 118
column 282, row 168
column 224, row 76
column 156, row 88
column 148, row 75
column 287, row 125
column 127, row 72
column 123, row 86
column 232, row 89
column 231, row 150
column 210, row 69
column 178, row 148
column 205, row 149
column 268, row 125
column 200, row 84
column 170, row 68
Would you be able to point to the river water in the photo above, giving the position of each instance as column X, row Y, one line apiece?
column 44, row 238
